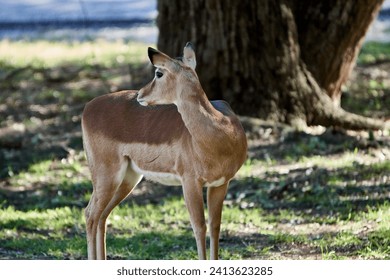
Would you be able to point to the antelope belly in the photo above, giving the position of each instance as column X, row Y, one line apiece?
column 159, row 177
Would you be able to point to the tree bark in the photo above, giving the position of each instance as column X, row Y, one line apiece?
column 283, row 60
column 333, row 38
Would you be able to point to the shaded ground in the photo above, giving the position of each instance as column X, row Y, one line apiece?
column 328, row 179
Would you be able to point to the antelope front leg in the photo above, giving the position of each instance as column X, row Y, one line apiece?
column 215, row 197
column 93, row 214
column 193, row 196
column 91, row 228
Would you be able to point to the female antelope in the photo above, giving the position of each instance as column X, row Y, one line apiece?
column 168, row 132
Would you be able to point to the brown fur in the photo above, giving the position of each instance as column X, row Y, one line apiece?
column 139, row 125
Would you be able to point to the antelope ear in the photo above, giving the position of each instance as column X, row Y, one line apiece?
column 189, row 58
column 159, row 59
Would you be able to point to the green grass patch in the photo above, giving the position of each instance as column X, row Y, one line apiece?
column 163, row 231
column 50, row 219
column 377, row 245
column 38, row 54
column 49, row 184
column 42, row 234
column 374, row 51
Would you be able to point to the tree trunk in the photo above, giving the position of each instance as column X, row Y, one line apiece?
column 283, row 60
column 333, row 38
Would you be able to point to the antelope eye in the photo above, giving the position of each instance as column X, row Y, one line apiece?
column 159, row 74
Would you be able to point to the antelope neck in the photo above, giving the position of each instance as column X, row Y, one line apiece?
column 199, row 115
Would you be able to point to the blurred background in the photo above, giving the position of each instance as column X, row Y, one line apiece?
column 116, row 19
column 79, row 20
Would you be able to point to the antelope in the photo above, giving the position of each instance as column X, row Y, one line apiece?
column 169, row 132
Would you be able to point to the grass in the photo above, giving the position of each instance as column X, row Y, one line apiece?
column 373, row 52
column 297, row 197
column 369, row 94
column 38, row 54
column 58, row 232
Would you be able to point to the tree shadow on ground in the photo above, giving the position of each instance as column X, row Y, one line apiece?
column 316, row 192
column 309, row 246
column 280, row 144
column 164, row 245
column 65, row 194
column 141, row 246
